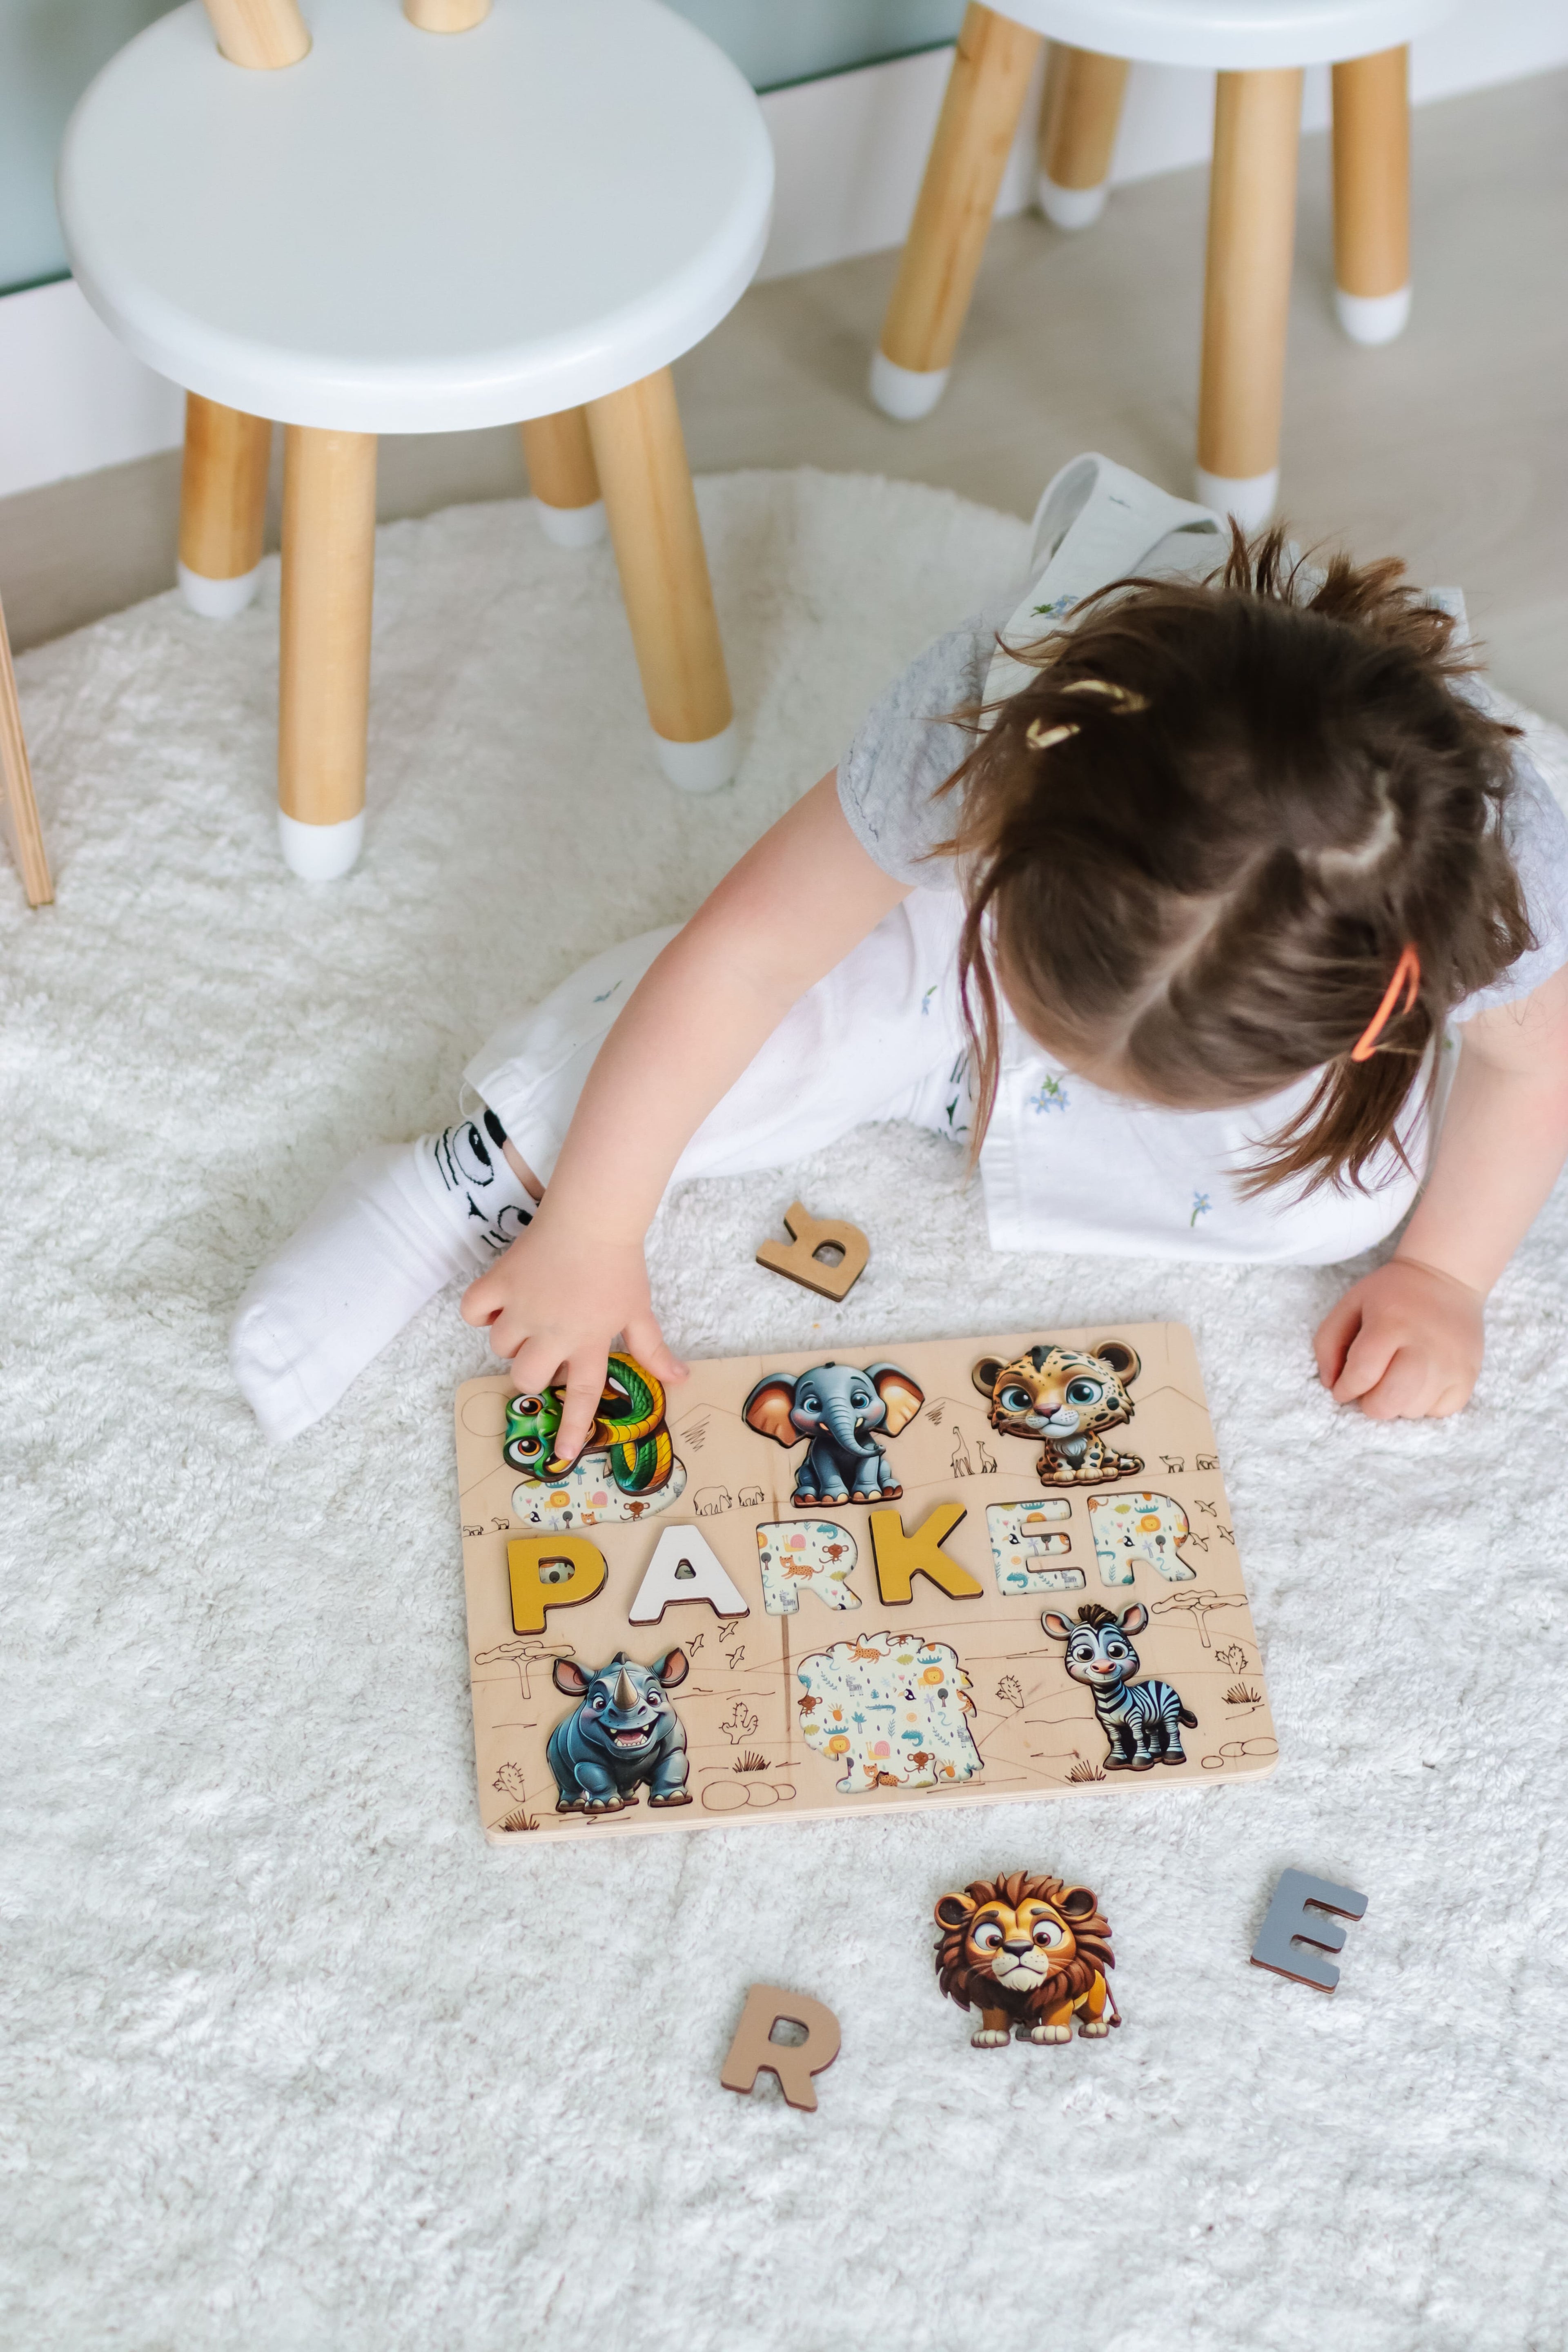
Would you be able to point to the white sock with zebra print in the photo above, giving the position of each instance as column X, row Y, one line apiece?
column 399, row 1224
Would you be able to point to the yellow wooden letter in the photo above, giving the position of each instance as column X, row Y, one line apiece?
column 551, row 1572
column 900, row 1556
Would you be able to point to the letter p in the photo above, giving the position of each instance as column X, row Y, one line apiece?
column 551, row 1572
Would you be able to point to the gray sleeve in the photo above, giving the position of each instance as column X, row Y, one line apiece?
column 1537, row 834
column 903, row 754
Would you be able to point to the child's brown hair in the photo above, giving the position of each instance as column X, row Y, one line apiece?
column 1197, row 843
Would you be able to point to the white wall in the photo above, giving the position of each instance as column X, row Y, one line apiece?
column 850, row 149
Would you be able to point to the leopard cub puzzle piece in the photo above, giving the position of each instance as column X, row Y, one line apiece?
column 801, row 1261
column 753, row 2051
column 1031, row 1954
column 1295, row 1919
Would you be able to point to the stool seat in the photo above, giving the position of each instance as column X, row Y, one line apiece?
column 416, row 233
column 1232, row 36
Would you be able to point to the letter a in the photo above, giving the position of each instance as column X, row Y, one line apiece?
column 551, row 1572
column 705, row 1579
column 901, row 1557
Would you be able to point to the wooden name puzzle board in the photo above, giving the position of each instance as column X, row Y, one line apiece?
column 939, row 1572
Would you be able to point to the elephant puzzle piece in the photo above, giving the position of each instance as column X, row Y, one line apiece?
column 840, row 1409
column 691, row 1592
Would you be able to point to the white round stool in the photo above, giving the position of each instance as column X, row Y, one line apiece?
column 370, row 225
column 1258, row 49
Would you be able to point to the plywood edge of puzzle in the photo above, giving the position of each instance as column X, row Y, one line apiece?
column 744, row 1646
column 19, row 804
column 798, row 1261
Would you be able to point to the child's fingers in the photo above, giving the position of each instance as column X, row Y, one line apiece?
column 647, row 1342
column 1333, row 1337
column 584, row 1387
column 535, row 1361
column 483, row 1299
column 1367, row 1358
column 1405, row 1390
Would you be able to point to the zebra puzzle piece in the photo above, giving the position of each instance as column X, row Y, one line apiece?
column 1295, row 1919
column 753, row 2051
column 802, row 1261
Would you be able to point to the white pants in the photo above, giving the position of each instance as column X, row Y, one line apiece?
column 1065, row 1166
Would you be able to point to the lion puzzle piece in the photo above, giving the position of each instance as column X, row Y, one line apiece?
column 1031, row 1954
column 1295, row 1919
column 801, row 1262
column 754, row 2052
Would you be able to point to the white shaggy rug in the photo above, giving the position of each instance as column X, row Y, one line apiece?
column 288, row 2057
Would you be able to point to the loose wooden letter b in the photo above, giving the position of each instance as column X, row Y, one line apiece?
column 753, row 2053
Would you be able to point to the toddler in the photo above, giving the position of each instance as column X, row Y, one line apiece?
column 1163, row 889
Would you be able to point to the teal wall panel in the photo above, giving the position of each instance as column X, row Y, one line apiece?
column 50, row 50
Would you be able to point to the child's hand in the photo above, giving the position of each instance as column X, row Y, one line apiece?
column 557, row 1305
column 1404, row 1343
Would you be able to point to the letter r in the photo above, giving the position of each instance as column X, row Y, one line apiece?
column 754, row 2051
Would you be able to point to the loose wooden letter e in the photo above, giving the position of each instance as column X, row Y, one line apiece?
column 1290, row 1923
column 753, row 2053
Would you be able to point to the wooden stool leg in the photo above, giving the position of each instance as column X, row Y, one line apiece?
column 564, row 477
column 223, row 506
column 1079, row 116
column 1372, row 196
column 18, row 809
column 261, row 33
column 641, row 458
column 1247, row 294
column 985, row 91
column 323, row 699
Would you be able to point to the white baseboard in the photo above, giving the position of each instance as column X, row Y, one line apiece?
column 70, row 399
column 850, row 148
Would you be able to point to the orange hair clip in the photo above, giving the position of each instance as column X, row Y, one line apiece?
column 1407, row 975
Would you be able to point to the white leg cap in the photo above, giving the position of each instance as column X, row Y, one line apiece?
column 218, row 600
column 1372, row 317
column 701, row 767
column 906, row 394
column 1069, row 207
column 571, row 526
column 319, row 853
column 1249, row 497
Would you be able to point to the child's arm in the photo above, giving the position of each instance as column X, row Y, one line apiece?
column 792, row 909
column 1406, row 1341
